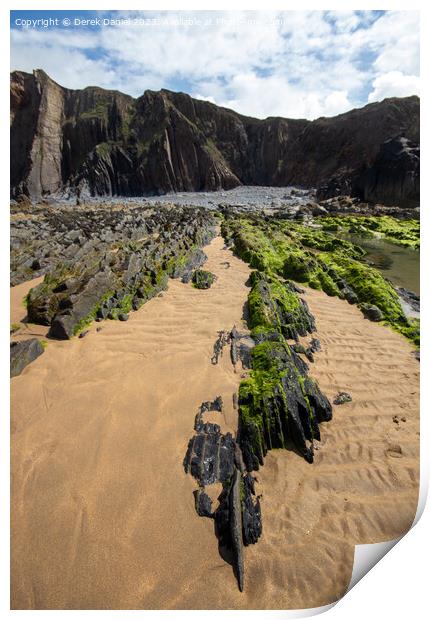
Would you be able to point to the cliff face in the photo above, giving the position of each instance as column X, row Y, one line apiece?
column 106, row 143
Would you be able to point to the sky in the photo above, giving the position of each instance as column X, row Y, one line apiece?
column 296, row 64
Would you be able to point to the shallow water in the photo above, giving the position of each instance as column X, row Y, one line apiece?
column 398, row 264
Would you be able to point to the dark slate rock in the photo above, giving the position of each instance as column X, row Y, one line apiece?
column 251, row 516
column 203, row 504
column 394, row 176
column 235, row 510
column 23, row 353
column 222, row 340
column 411, row 298
column 212, row 405
column 341, row 398
column 210, row 455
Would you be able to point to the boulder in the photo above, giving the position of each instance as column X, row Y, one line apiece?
column 23, row 353
column 371, row 312
column 202, row 279
column 342, row 398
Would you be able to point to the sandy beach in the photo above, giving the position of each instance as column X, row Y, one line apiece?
column 102, row 511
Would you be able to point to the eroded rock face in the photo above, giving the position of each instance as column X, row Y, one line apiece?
column 394, row 176
column 99, row 142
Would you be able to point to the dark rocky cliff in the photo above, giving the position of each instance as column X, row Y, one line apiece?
column 107, row 143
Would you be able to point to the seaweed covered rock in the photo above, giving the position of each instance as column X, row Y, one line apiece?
column 289, row 250
column 23, row 353
column 272, row 304
column 195, row 260
column 371, row 312
column 404, row 232
column 279, row 405
column 203, row 279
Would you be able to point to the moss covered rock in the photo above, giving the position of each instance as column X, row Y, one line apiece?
column 272, row 305
column 324, row 262
column 280, row 406
column 202, row 279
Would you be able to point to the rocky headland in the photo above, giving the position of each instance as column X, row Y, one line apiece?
column 94, row 142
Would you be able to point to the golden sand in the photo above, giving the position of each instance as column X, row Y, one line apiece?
column 102, row 511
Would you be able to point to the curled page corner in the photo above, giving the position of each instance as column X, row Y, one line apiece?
column 367, row 556
column 304, row 613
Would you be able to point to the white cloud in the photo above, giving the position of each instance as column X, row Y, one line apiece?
column 203, row 98
column 394, row 84
column 274, row 96
column 301, row 64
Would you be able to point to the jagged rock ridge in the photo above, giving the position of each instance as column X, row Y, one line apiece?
column 104, row 142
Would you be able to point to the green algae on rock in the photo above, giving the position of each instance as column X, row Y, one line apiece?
column 280, row 406
column 273, row 305
column 401, row 232
column 202, row 279
column 320, row 260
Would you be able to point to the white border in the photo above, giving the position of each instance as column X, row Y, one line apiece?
column 397, row 585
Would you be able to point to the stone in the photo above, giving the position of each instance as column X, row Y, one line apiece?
column 222, row 340
column 371, row 312
column 203, row 504
column 203, row 279
column 393, row 178
column 210, row 455
column 411, row 298
column 22, row 353
column 101, row 279
column 251, row 516
column 123, row 317
column 342, row 398
column 235, row 509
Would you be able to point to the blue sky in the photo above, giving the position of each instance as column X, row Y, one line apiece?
column 298, row 64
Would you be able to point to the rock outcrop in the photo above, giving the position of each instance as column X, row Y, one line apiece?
column 23, row 353
column 394, row 176
column 99, row 142
column 100, row 263
column 214, row 457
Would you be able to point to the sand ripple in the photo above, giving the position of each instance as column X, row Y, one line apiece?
column 103, row 513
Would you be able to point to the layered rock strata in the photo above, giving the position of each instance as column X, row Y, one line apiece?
column 105, row 143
